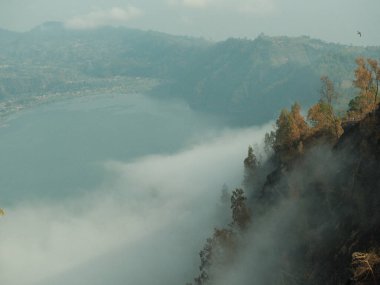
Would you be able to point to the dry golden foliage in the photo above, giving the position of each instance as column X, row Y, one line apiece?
column 291, row 128
column 323, row 120
column 363, row 267
column 361, row 105
column 320, row 116
column 363, row 76
column 299, row 121
column 367, row 77
column 374, row 68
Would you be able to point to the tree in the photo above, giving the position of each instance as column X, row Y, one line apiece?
column 291, row 129
column 299, row 121
column 241, row 216
column 250, row 167
column 283, row 131
column 327, row 91
column 216, row 254
column 322, row 115
column 324, row 120
column 269, row 141
column 220, row 249
column 363, row 76
column 367, row 77
column 319, row 115
column 375, row 73
column 250, row 162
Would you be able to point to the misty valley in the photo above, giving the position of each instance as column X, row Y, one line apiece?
column 139, row 157
column 93, row 182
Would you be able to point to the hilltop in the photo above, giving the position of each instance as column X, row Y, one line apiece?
column 246, row 81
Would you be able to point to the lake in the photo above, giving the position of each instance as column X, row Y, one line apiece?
column 58, row 149
column 113, row 189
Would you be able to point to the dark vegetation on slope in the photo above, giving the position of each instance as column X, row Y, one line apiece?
column 310, row 213
column 247, row 81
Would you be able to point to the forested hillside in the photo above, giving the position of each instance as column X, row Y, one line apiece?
column 252, row 80
column 247, row 81
column 310, row 213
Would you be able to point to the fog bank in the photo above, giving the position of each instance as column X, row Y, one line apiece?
column 145, row 223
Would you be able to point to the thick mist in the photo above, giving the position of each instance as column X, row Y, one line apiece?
column 297, row 220
column 148, row 213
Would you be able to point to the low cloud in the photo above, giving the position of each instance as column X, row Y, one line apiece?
column 195, row 3
column 113, row 16
column 149, row 216
column 189, row 3
column 256, row 7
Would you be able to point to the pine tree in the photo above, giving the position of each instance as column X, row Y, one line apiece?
column 216, row 254
column 250, row 167
column 269, row 141
column 241, row 216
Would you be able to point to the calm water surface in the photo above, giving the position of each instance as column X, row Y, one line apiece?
column 58, row 150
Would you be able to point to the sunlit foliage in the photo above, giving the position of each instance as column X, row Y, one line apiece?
column 322, row 116
column 367, row 76
column 291, row 130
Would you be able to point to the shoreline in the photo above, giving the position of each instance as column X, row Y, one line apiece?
column 28, row 101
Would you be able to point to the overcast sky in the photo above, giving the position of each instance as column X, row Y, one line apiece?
column 329, row 20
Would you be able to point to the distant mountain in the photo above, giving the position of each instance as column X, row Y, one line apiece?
column 254, row 79
column 245, row 80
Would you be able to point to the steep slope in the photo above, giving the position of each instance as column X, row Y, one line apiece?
column 314, row 218
column 335, row 198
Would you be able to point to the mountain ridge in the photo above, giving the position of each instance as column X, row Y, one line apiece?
column 231, row 78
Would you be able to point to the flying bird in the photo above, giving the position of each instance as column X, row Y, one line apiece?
column 359, row 33
column 2, row 213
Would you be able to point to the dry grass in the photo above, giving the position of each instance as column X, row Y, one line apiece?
column 364, row 267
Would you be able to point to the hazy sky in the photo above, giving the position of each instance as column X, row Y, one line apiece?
column 330, row 20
